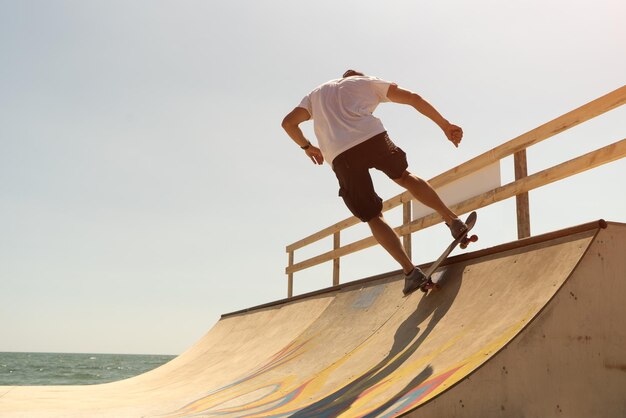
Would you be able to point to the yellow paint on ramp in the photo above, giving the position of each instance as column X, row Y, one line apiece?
column 525, row 329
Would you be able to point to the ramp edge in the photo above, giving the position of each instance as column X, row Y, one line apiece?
column 597, row 224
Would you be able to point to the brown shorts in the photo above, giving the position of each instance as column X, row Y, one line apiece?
column 352, row 170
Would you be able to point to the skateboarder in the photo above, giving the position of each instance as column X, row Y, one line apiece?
column 352, row 141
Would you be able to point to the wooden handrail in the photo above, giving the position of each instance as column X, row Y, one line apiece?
column 577, row 116
column 572, row 167
column 569, row 168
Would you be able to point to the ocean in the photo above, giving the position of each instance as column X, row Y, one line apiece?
column 19, row 369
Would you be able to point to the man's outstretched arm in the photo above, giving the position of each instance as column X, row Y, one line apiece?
column 402, row 96
column 291, row 126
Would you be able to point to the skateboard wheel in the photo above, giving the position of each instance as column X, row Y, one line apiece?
column 427, row 286
column 466, row 241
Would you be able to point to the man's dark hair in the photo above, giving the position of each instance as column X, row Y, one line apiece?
column 351, row 73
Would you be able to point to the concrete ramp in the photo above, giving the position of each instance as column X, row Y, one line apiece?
column 534, row 328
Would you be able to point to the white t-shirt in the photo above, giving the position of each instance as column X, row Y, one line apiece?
column 342, row 112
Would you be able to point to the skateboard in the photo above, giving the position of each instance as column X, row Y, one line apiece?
column 464, row 240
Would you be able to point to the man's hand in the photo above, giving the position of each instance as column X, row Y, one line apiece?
column 454, row 134
column 315, row 154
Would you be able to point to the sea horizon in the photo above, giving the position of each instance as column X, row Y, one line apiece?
column 50, row 368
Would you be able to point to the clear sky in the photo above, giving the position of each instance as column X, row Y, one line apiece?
column 146, row 186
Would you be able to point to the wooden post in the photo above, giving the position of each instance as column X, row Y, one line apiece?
column 336, row 246
column 406, row 219
column 290, row 277
column 523, row 205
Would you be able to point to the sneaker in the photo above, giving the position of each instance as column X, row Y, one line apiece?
column 458, row 228
column 414, row 281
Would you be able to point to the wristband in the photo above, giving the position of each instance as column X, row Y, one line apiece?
column 308, row 144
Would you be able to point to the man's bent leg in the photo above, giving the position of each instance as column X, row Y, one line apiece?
column 389, row 240
column 423, row 192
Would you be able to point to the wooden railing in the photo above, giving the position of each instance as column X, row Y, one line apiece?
column 519, row 188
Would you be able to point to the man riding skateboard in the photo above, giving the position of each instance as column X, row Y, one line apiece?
column 352, row 141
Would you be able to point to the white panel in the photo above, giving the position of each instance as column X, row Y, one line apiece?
column 465, row 188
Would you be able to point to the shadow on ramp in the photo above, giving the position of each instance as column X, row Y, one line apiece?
column 407, row 341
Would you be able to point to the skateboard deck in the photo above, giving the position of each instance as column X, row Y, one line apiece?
column 464, row 240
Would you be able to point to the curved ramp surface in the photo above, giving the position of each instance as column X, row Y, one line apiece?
column 532, row 328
